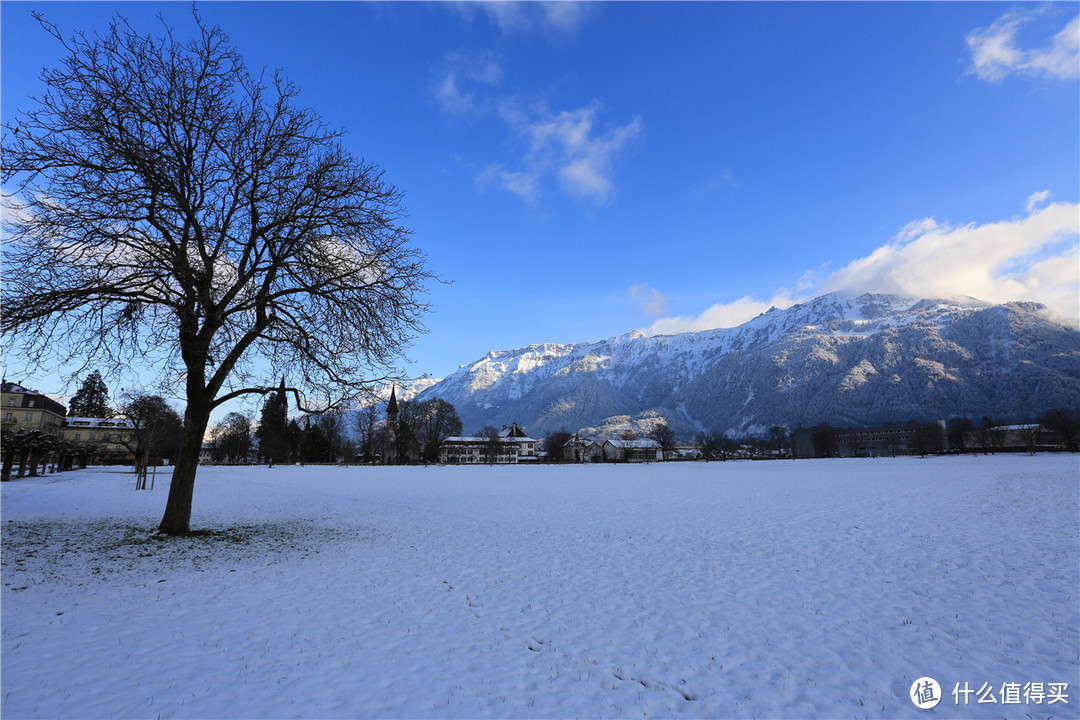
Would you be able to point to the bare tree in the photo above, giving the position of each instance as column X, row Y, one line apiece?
column 492, row 444
column 713, row 445
column 555, row 444
column 779, row 435
column 171, row 208
column 436, row 420
column 233, row 437
column 151, row 419
column 663, row 435
column 333, row 430
column 1065, row 423
column 368, row 429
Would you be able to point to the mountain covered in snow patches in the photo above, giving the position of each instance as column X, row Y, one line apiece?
column 844, row 360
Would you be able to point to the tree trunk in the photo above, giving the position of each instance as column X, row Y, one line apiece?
column 177, row 518
column 9, row 462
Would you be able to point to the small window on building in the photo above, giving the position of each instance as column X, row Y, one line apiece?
column 8, row 417
column 29, row 417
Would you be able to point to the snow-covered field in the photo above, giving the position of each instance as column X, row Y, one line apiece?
column 770, row 589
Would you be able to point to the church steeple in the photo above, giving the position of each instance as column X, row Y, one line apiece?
column 390, row 454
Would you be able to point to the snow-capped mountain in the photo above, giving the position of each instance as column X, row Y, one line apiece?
column 839, row 359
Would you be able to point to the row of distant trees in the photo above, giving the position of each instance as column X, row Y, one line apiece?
column 33, row 449
column 964, row 435
column 990, row 434
column 334, row 436
column 420, row 428
column 710, row 444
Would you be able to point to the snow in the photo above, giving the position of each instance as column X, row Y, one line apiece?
column 783, row 589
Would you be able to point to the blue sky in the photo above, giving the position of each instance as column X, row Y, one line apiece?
column 581, row 170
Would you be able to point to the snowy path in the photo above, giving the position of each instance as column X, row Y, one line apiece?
column 774, row 589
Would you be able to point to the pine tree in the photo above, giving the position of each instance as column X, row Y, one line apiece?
column 92, row 399
column 273, row 423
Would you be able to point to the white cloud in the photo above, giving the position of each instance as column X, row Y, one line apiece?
column 720, row 315
column 1019, row 259
column 462, row 71
column 995, row 54
column 561, row 16
column 450, row 97
column 651, row 301
column 13, row 209
column 567, row 146
column 570, row 146
column 526, row 185
column 1037, row 199
column 513, row 17
column 1031, row 258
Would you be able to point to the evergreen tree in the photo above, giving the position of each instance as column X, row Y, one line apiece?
column 92, row 399
column 293, row 435
column 314, row 447
column 273, row 425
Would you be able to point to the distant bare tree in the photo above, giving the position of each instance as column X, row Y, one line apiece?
column 333, row 430
column 779, row 437
column 710, row 445
column 663, row 435
column 436, row 420
column 555, row 443
column 492, row 443
column 958, row 426
column 1029, row 433
column 368, row 432
column 233, row 435
column 152, row 420
column 169, row 207
column 1065, row 423
column 825, row 442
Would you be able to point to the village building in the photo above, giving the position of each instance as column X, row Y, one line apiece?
column 26, row 409
column 633, row 451
column 1014, row 438
column 882, row 441
column 109, row 435
column 512, row 446
column 582, row 451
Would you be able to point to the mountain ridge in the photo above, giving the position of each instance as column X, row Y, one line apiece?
column 846, row 360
